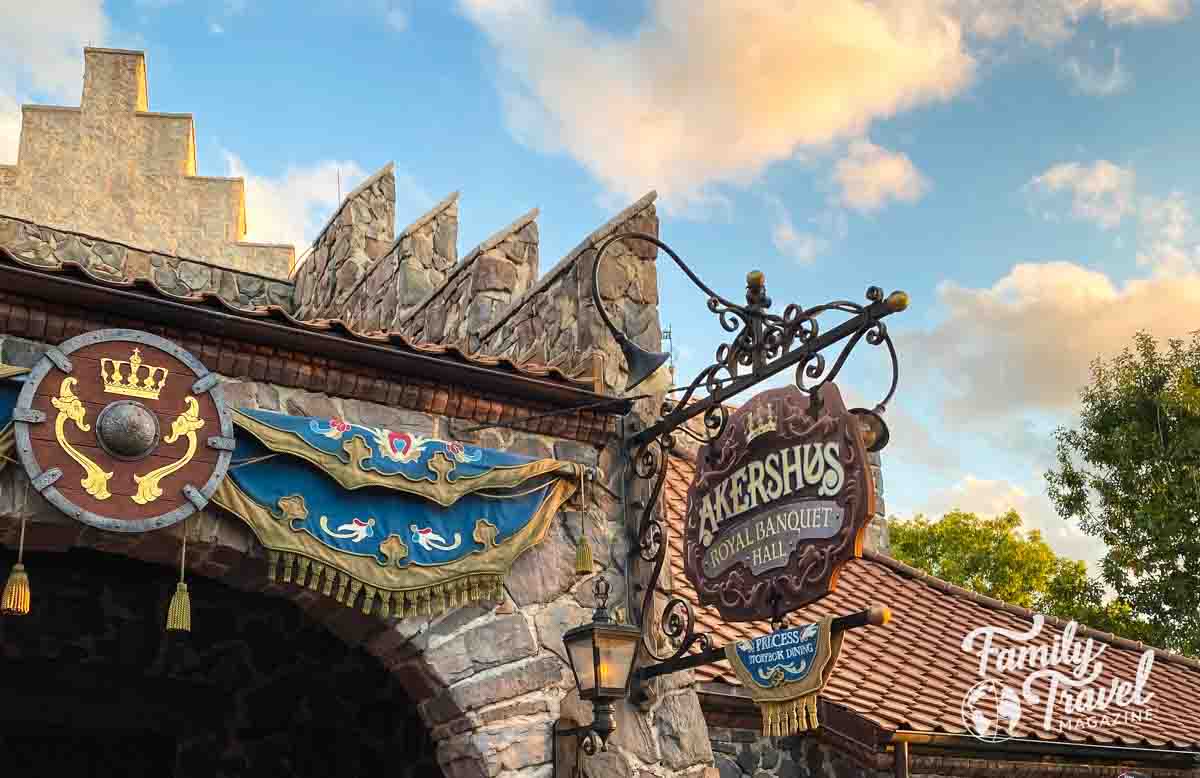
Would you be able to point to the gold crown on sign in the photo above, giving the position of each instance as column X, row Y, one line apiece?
column 123, row 377
column 760, row 422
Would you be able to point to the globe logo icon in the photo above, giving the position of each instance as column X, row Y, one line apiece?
column 977, row 711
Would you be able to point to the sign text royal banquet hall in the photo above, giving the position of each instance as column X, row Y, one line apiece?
column 778, row 504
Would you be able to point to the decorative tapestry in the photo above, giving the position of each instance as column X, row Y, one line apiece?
column 415, row 523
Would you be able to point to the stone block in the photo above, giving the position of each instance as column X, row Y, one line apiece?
column 683, row 733
column 545, row 571
column 748, row 758
column 495, row 686
column 554, row 620
column 399, row 419
column 606, row 764
column 726, row 767
column 494, row 274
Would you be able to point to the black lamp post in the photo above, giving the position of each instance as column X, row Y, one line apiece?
column 602, row 654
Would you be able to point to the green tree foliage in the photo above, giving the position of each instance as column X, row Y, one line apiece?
column 1130, row 475
column 997, row 558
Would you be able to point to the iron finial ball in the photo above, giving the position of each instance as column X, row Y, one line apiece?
column 127, row 429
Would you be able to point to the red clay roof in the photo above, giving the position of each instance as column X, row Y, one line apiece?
column 912, row 673
column 279, row 315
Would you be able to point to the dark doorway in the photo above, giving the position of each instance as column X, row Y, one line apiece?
column 91, row 685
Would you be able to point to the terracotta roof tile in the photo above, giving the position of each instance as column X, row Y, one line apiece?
column 279, row 315
column 913, row 673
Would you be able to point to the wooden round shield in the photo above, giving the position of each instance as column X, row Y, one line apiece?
column 123, row 430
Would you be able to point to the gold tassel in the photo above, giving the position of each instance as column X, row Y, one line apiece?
column 179, row 613
column 453, row 587
column 16, row 589
column 272, row 565
column 288, row 559
column 583, row 556
column 423, row 602
column 355, row 586
column 16, row 592
column 330, row 577
column 314, row 580
column 368, row 599
column 302, row 570
column 437, row 600
column 583, row 550
column 385, row 604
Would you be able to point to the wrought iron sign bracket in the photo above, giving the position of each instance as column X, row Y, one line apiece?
column 762, row 345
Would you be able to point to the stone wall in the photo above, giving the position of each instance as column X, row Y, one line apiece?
column 417, row 263
column 555, row 322
column 113, row 169
column 479, row 288
column 48, row 246
column 489, row 681
column 743, row 753
column 359, row 272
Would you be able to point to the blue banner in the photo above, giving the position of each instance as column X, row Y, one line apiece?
column 781, row 657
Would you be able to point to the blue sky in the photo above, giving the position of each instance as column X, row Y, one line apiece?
column 1025, row 169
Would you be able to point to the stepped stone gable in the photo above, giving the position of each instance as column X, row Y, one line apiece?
column 479, row 289
column 358, row 270
column 112, row 168
column 555, row 323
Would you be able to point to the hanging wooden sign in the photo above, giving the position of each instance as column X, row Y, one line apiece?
column 123, row 430
column 779, row 503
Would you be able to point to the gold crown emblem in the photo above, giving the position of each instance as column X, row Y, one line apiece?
column 130, row 382
column 760, row 422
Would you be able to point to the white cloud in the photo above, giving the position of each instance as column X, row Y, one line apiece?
column 710, row 93
column 989, row 498
column 804, row 247
column 1171, row 246
column 1051, row 21
column 41, row 54
column 1026, row 343
column 292, row 207
column 869, row 176
column 1102, row 192
column 1096, row 81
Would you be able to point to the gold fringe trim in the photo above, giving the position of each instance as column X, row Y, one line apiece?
column 16, row 592
column 782, row 718
column 425, row 602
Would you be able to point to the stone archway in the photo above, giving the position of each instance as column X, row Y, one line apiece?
column 487, row 681
column 92, row 685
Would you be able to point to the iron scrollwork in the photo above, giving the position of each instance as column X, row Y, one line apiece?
column 762, row 345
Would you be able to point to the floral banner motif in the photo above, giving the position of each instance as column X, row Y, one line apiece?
column 415, row 523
